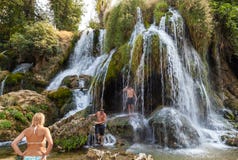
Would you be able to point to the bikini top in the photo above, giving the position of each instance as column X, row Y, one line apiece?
column 41, row 142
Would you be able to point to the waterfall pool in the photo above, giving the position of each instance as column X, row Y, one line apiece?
column 204, row 152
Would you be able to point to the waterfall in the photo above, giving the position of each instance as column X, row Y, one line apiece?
column 100, row 76
column 43, row 8
column 89, row 14
column 183, row 80
column 81, row 62
column 138, row 30
column 23, row 67
column 2, row 85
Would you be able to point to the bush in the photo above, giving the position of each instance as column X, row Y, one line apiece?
column 160, row 10
column 120, row 23
column 37, row 40
column 3, row 115
column 17, row 115
column 5, row 124
column 67, row 14
column 71, row 143
column 226, row 16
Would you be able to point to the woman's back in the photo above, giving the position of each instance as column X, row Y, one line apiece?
column 35, row 137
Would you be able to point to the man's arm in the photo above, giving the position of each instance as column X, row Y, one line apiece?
column 125, row 89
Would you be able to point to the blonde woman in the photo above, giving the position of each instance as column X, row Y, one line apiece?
column 36, row 137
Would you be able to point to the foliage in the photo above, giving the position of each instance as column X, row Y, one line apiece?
column 14, row 78
column 160, row 10
column 37, row 108
column 2, row 115
column 198, row 18
column 17, row 115
column 67, row 14
column 71, row 143
column 38, row 39
column 226, row 16
column 13, row 15
column 120, row 23
column 5, row 124
column 119, row 59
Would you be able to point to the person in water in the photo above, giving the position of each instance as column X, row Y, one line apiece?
column 101, row 118
column 36, row 136
column 131, row 98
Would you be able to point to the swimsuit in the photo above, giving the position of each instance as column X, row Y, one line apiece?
column 32, row 157
column 99, row 128
column 130, row 101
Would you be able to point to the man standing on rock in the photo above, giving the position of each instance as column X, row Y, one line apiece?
column 131, row 98
column 101, row 118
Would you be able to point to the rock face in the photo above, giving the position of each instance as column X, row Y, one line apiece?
column 71, row 133
column 173, row 129
column 17, row 109
column 130, row 128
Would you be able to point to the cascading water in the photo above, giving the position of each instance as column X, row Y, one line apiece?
column 138, row 30
column 43, row 8
column 183, row 79
column 81, row 62
column 100, row 76
column 24, row 67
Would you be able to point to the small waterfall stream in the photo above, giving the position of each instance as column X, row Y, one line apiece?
column 24, row 67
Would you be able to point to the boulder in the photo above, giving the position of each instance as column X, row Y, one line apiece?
column 172, row 129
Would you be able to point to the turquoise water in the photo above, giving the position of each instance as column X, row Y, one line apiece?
column 204, row 152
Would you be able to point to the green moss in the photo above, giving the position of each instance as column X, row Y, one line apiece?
column 60, row 96
column 119, row 60
column 71, row 143
column 14, row 79
column 2, row 115
column 137, row 52
column 160, row 10
column 5, row 124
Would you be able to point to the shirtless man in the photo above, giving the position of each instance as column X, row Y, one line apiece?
column 100, row 125
column 131, row 98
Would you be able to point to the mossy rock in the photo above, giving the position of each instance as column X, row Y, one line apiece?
column 71, row 133
column 119, row 60
column 60, row 96
column 121, row 127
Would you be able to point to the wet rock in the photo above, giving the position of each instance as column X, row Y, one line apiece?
column 173, row 130
column 130, row 128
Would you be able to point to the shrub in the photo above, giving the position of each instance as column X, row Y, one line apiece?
column 5, row 124
column 2, row 115
column 71, row 143
column 120, row 23
column 36, row 40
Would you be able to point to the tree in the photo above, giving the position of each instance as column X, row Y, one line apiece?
column 67, row 14
column 38, row 40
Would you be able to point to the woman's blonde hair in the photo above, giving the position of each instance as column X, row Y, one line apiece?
column 38, row 119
